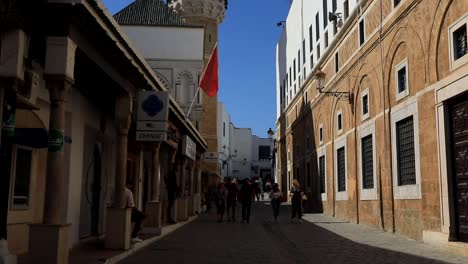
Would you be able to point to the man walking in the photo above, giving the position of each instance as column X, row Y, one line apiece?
column 232, row 200
column 246, row 195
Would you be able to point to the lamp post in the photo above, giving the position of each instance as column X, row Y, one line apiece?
column 344, row 96
column 271, row 137
column 228, row 157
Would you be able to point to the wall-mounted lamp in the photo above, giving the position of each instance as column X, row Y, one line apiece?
column 280, row 23
column 344, row 96
column 336, row 17
column 271, row 134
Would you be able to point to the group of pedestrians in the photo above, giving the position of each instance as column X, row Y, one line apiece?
column 228, row 193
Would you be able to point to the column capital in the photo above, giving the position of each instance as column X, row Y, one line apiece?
column 60, row 56
column 59, row 87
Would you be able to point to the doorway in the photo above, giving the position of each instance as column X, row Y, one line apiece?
column 91, row 211
column 459, row 151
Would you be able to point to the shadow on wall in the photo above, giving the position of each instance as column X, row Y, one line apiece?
column 303, row 148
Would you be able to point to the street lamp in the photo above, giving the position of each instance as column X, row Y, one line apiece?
column 228, row 157
column 344, row 96
column 271, row 134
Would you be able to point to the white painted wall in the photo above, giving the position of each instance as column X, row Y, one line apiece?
column 176, row 55
column 223, row 124
column 84, row 114
column 301, row 16
column 167, row 42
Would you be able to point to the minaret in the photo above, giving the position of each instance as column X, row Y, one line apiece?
column 207, row 13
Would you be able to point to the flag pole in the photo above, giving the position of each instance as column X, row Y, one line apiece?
column 198, row 89
column 193, row 101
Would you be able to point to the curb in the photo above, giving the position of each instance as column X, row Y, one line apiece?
column 145, row 243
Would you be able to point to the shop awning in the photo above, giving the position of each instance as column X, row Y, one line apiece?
column 34, row 137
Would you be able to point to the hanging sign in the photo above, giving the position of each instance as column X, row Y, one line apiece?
column 152, row 116
column 189, row 148
column 55, row 140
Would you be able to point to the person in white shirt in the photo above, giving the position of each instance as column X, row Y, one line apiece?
column 137, row 215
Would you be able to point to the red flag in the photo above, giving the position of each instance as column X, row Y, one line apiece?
column 209, row 79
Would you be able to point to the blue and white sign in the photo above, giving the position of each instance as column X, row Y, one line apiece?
column 152, row 116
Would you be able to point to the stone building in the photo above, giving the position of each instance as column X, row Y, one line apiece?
column 70, row 78
column 209, row 14
column 372, row 112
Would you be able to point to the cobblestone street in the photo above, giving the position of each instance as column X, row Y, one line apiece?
column 319, row 239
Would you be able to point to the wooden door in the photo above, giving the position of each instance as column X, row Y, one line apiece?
column 459, row 119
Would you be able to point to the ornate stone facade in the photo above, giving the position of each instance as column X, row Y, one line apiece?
column 406, row 70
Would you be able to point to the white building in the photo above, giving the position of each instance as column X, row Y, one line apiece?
column 242, row 154
column 226, row 153
column 161, row 36
column 306, row 36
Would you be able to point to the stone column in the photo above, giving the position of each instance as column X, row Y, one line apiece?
column 7, row 101
column 48, row 242
column 118, row 226
column 191, row 203
column 153, row 210
column 182, row 204
column 198, row 189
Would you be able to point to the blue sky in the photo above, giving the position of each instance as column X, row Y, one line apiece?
column 247, row 41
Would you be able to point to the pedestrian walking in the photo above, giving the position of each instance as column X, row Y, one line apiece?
column 255, row 190
column 296, row 201
column 221, row 196
column 276, row 197
column 232, row 200
column 260, row 187
column 171, row 186
column 268, row 186
column 137, row 215
column 246, row 195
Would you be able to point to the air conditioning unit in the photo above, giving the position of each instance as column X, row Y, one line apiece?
column 30, row 88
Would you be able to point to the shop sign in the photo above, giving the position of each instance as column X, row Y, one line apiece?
column 55, row 140
column 152, row 116
column 9, row 119
column 211, row 156
column 189, row 148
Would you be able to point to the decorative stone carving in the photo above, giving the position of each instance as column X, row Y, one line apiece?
column 213, row 9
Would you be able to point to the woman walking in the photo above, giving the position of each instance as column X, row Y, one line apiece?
column 296, row 201
column 276, row 199
column 221, row 196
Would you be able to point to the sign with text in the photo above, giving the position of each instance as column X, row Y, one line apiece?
column 189, row 148
column 152, row 116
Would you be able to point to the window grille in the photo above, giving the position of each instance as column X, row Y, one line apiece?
column 460, row 42
column 402, row 79
column 340, row 153
column 405, row 152
column 365, row 104
column 367, row 163
column 322, row 173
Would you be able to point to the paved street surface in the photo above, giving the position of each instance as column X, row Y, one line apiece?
column 319, row 239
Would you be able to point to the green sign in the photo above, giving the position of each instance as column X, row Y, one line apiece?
column 9, row 120
column 55, row 140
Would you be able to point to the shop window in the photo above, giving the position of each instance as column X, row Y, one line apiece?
column 22, row 177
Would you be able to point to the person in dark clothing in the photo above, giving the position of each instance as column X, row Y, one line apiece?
column 296, row 201
column 171, row 186
column 221, row 196
column 246, row 196
column 232, row 200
